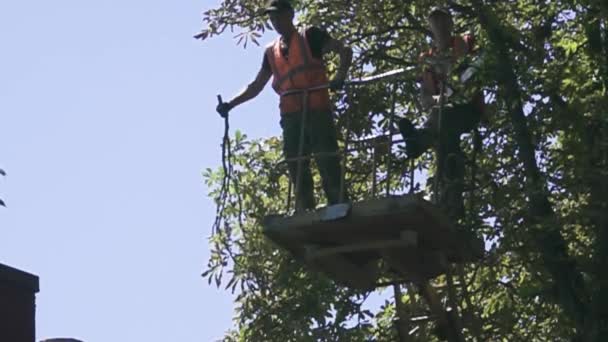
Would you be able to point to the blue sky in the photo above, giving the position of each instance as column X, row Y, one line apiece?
column 106, row 122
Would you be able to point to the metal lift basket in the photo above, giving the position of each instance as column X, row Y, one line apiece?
column 395, row 239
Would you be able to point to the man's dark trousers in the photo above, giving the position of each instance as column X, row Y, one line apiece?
column 319, row 138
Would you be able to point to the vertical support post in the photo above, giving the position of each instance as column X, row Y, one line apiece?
column 301, row 149
column 344, row 160
column 475, row 327
column 457, row 324
column 440, row 154
column 414, row 308
column 289, row 185
column 477, row 145
column 389, row 158
column 432, row 299
column 374, row 167
column 402, row 320
column 412, row 166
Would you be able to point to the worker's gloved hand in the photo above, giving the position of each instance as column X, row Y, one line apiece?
column 223, row 108
column 336, row 84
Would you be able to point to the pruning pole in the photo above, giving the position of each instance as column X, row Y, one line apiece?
column 298, row 185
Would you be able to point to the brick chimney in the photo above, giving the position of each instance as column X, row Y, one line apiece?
column 17, row 305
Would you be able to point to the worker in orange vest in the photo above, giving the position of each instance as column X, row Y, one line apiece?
column 295, row 61
column 462, row 105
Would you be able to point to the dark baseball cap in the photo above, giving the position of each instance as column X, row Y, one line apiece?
column 278, row 6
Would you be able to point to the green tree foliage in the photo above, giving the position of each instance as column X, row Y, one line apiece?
column 538, row 195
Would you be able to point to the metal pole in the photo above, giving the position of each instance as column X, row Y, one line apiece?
column 374, row 166
column 440, row 152
column 412, row 166
column 301, row 149
column 389, row 158
column 290, row 184
column 344, row 160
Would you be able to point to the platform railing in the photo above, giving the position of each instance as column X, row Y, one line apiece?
column 374, row 142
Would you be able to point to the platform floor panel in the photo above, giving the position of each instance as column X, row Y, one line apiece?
column 360, row 235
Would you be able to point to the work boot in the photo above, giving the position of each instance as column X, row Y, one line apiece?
column 413, row 148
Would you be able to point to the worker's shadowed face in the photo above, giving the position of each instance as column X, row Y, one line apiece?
column 282, row 21
column 441, row 26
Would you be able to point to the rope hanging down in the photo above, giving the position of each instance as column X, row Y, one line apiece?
column 227, row 174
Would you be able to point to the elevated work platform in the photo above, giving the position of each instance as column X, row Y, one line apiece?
column 399, row 238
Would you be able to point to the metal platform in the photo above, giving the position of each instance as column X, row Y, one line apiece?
column 398, row 238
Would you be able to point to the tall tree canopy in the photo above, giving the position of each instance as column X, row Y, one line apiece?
column 539, row 194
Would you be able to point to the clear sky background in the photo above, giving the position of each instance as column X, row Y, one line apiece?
column 106, row 122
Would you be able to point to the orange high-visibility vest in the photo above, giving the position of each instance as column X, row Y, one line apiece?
column 298, row 70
